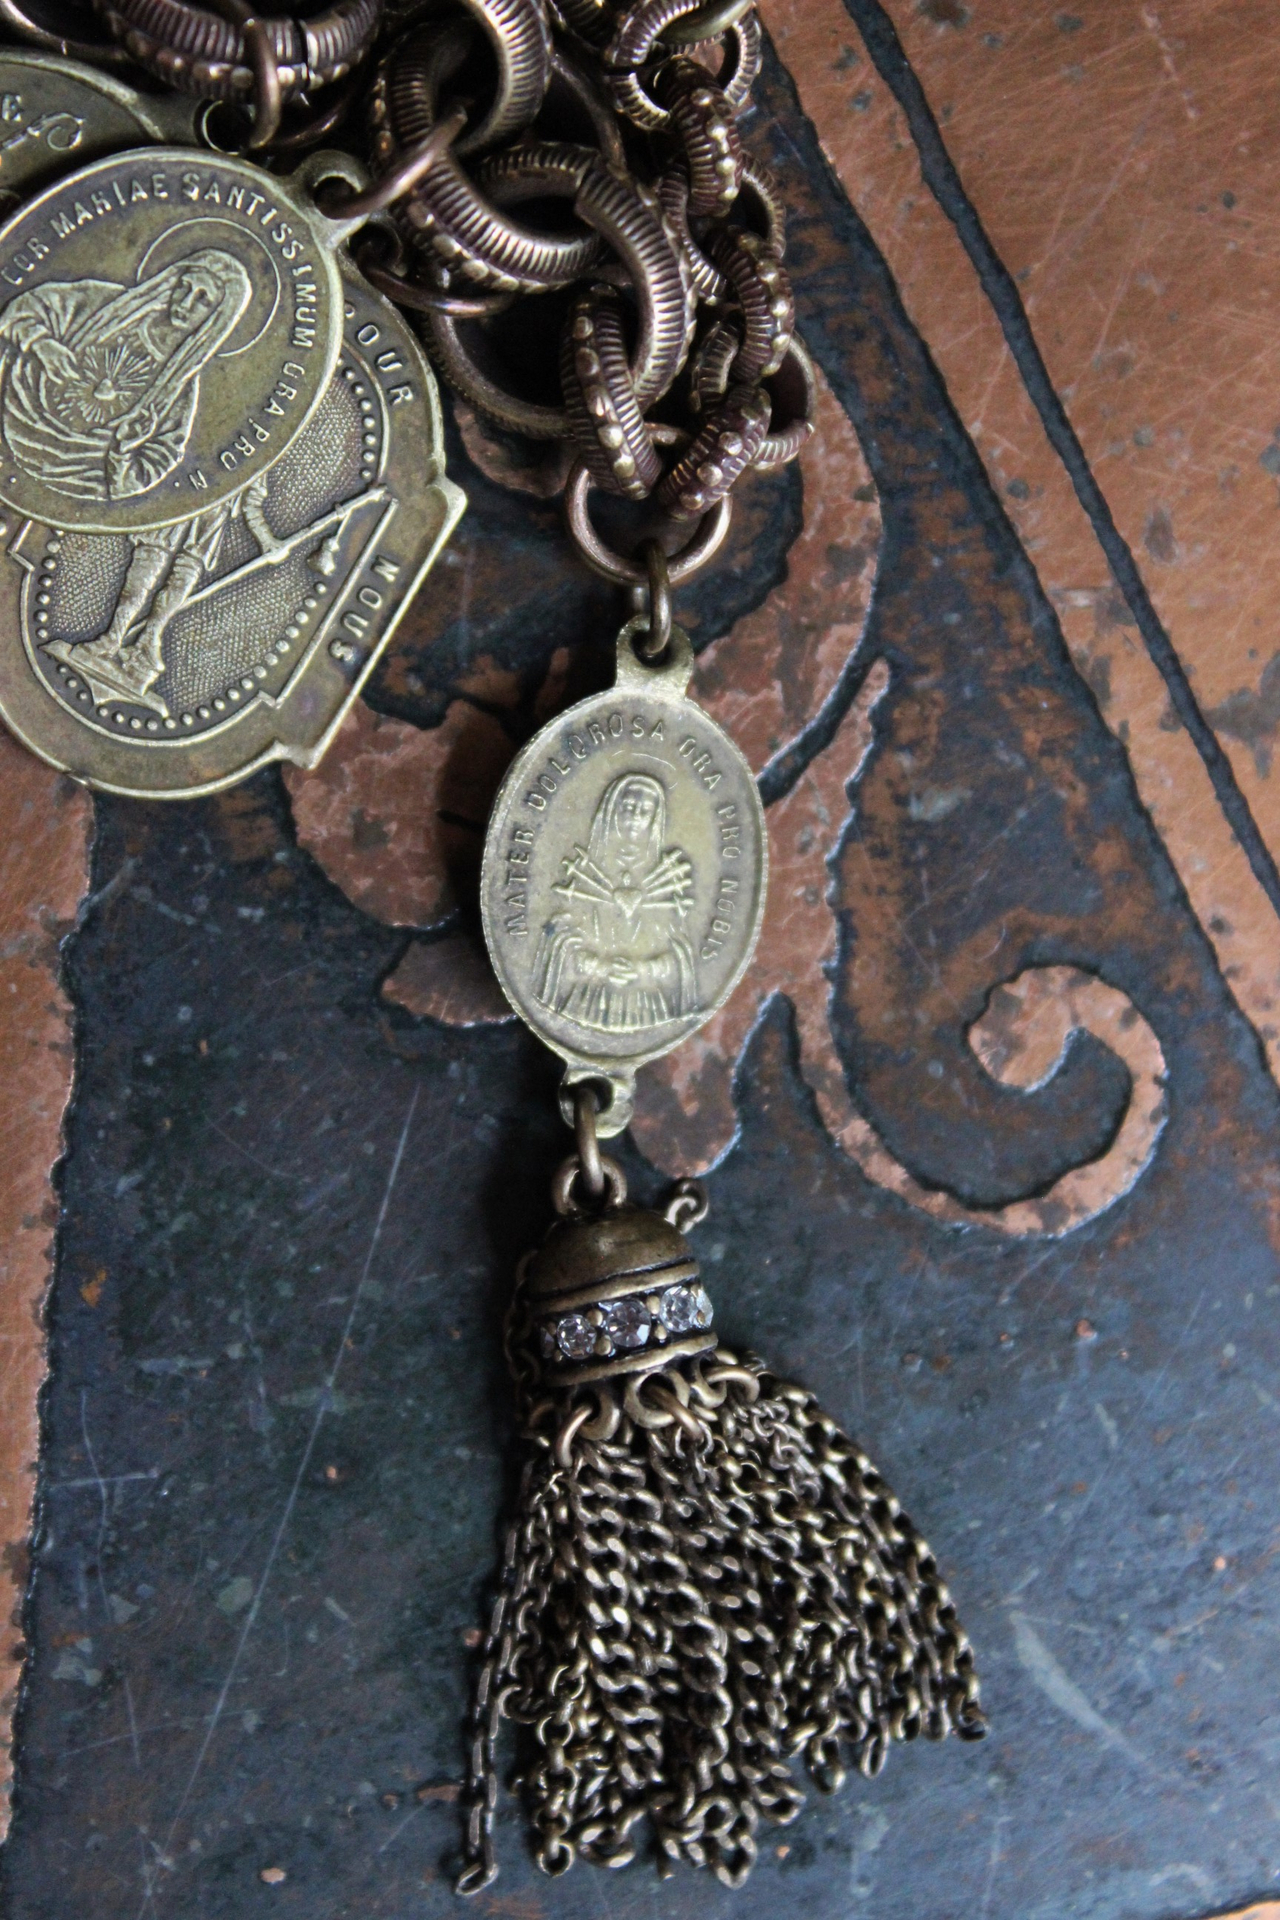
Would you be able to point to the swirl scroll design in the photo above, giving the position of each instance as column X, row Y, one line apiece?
column 766, row 680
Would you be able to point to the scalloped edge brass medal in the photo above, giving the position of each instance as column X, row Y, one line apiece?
column 264, row 659
column 624, row 873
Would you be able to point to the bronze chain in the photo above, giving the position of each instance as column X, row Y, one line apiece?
column 673, row 366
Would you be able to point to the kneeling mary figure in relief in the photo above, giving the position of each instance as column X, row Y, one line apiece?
column 617, row 958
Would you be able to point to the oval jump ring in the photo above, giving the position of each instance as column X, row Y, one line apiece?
column 705, row 542
column 406, row 174
column 268, row 94
column 565, row 1178
column 658, row 638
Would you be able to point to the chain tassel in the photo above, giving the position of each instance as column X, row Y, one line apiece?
column 706, row 1581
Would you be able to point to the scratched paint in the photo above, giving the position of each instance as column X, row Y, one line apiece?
column 1005, row 165
column 43, row 874
column 1142, row 238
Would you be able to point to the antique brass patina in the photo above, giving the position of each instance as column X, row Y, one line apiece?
column 56, row 115
column 155, row 656
column 216, row 652
column 624, row 873
column 169, row 322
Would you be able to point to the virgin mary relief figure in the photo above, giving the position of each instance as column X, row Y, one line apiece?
column 101, row 388
column 102, row 382
column 617, row 958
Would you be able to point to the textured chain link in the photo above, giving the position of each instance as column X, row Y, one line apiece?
column 659, row 297
column 571, row 213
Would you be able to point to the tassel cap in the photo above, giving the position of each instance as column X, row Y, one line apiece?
column 617, row 1294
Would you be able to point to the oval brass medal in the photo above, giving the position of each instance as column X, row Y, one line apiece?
column 169, row 321
column 624, row 871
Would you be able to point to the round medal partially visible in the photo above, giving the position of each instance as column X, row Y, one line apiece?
column 624, row 873
column 168, row 324
column 57, row 114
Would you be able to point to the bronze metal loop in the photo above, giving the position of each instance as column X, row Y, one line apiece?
column 565, row 1180
column 590, row 21
column 710, row 363
column 640, row 1412
column 742, row 65
column 586, row 1105
column 587, row 93
column 707, row 281
column 482, row 390
column 794, row 390
column 268, row 93
column 654, row 21
column 725, row 1369
column 702, row 120
column 606, row 1421
column 600, row 400
column 450, row 214
column 419, row 299
column 657, row 1400
column 641, row 28
column 702, row 1394
column 408, row 171
column 702, row 546
column 706, row 23
column 658, row 637
column 763, row 292
column 568, row 1433
column 767, row 202
column 191, row 48
column 688, row 1206
column 319, row 125
column 631, row 220
column 633, row 225
column 516, row 35
column 722, row 450
column 462, row 222
column 757, row 195
column 521, row 42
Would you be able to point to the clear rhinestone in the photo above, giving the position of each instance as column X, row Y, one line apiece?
column 685, row 1308
column 577, row 1336
column 627, row 1323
